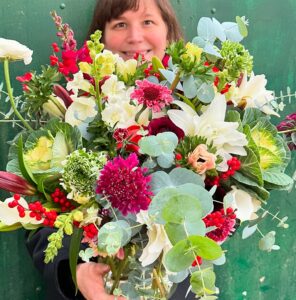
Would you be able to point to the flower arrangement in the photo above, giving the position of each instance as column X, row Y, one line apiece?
column 149, row 166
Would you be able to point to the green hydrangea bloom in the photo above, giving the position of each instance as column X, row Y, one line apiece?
column 81, row 170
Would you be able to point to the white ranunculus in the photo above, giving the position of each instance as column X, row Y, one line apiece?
column 10, row 216
column 158, row 240
column 13, row 50
column 244, row 204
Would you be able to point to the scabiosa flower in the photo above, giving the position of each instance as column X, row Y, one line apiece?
column 125, row 184
column 154, row 96
column 164, row 124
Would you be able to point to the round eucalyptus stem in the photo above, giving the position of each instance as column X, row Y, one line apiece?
column 11, row 98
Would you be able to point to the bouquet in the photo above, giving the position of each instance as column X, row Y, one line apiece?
column 148, row 166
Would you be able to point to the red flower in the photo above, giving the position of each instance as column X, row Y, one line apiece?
column 83, row 54
column 53, row 60
column 25, row 78
column 164, row 124
column 128, row 138
column 69, row 62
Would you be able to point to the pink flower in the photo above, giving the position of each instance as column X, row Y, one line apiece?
column 152, row 95
column 83, row 54
column 69, row 64
column 125, row 184
column 201, row 160
column 25, row 78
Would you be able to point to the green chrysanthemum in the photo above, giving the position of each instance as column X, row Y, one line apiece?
column 81, row 170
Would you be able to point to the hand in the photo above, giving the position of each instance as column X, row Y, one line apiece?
column 90, row 281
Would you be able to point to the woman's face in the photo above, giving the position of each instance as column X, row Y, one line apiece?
column 142, row 31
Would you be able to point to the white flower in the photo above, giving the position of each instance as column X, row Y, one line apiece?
column 81, row 112
column 10, row 216
column 122, row 115
column 115, row 90
column 244, row 204
column 224, row 135
column 13, row 50
column 78, row 83
column 158, row 240
column 54, row 107
column 252, row 93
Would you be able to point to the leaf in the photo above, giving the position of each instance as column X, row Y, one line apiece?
column 178, row 277
column 170, row 77
column 75, row 244
column 26, row 172
column 165, row 161
column 205, row 247
column 205, row 92
column 199, row 41
column 241, row 26
column 267, row 242
column 203, row 281
column 219, row 30
column 168, row 141
column 150, row 146
column 248, row 231
column 180, row 257
column 86, row 254
column 157, row 66
column 189, row 87
column 250, row 166
column 176, row 177
column 277, row 178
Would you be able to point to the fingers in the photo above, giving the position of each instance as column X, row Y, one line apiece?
column 102, row 269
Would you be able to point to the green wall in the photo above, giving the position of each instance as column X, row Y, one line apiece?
column 272, row 41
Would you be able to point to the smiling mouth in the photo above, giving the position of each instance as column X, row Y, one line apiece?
column 131, row 54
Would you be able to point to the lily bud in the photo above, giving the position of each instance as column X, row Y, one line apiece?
column 63, row 94
column 16, row 184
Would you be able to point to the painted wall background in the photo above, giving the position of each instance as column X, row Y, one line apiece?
column 249, row 273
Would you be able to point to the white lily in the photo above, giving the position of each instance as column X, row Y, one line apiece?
column 253, row 93
column 10, row 216
column 14, row 50
column 126, row 68
column 244, row 204
column 211, row 125
column 78, row 83
column 158, row 240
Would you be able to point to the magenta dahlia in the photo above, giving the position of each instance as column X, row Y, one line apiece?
column 125, row 184
column 152, row 95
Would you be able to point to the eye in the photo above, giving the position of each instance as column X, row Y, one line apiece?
column 148, row 22
column 120, row 25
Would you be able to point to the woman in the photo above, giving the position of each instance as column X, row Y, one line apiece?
column 129, row 27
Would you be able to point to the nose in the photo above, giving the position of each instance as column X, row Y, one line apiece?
column 135, row 35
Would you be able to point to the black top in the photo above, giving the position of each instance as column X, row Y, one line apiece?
column 57, row 274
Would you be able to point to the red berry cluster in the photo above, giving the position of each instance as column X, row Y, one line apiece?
column 233, row 166
column 54, row 60
column 149, row 72
column 58, row 196
column 198, row 260
column 37, row 211
column 218, row 217
column 55, row 47
column 90, row 230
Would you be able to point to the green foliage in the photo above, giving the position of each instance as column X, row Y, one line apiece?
column 114, row 235
column 54, row 245
column 203, row 282
column 94, row 45
column 267, row 242
column 39, row 89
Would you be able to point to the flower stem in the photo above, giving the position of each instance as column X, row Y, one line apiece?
column 11, row 98
column 159, row 284
column 288, row 130
column 176, row 81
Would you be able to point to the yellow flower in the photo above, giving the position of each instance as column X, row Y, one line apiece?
column 84, row 67
column 105, row 63
column 193, row 52
column 126, row 68
column 40, row 156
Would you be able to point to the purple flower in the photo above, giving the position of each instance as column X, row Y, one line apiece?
column 125, row 184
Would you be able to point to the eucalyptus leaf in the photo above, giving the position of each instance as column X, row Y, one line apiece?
column 248, row 231
column 170, row 77
column 212, row 50
column 241, row 26
column 267, row 242
column 206, row 29
column 232, row 32
column 219, row 30
column 199, row 41
column 178, row 277
column 203, row 281
column 165, row 161
column 189, row 86
column 205, row 92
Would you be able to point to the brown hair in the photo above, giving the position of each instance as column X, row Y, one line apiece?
column 106, row 10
